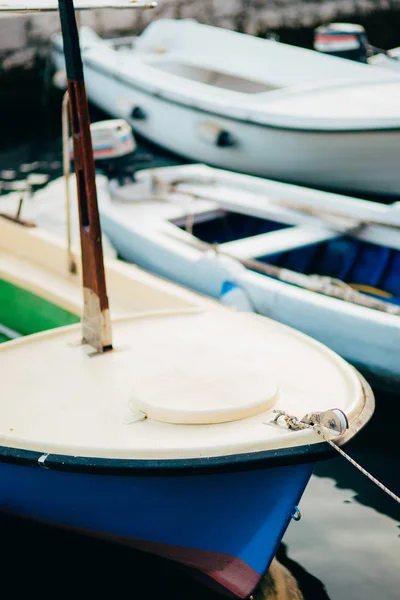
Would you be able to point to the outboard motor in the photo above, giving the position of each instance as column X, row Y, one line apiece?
column 114, row 148
column 344, row 40
column 111, row 139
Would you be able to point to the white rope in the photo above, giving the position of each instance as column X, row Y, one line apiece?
column 293, row 423
column 358, row 466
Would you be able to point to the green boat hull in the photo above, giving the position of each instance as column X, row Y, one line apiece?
column 26, row 313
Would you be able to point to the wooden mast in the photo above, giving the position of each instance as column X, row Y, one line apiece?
column 96, row 325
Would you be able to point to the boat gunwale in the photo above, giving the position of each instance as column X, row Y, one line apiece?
column 163, row 96
column 272, row 458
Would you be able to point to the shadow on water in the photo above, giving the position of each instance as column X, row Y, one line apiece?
column 349, row 535
column 311, row 587
column 346, row 547
column 81, row 564
column 377, row 449
column 78, row 562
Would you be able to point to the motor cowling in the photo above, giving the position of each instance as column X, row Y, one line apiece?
column 344, row 40
column 111, row 139
column 114, row 149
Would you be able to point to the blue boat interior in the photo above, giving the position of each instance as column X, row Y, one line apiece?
column 369, row 268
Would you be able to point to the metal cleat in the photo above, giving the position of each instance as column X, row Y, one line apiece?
column 334, row 419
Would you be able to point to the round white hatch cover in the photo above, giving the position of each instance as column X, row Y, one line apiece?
column 193, row 379
column 188, row 408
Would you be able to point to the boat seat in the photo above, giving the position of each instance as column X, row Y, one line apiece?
column 182, row 67
column 274, row 242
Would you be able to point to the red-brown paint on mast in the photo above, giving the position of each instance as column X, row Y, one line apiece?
column 96, row 325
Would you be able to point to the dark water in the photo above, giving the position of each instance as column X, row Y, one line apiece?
column 347, row 545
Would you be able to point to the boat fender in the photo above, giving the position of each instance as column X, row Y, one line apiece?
column 232, row 292
column 60, row 80
column 212, row 133
column 224, row 274
column 233, row 295
column 137, row 113
column 225, row 140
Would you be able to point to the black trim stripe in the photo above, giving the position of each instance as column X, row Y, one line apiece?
column 169, row 467
column 192, row 466
column 161, row 96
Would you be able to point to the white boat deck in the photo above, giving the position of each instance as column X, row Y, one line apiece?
column 208, row 383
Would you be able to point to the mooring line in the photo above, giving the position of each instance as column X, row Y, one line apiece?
column 293, row 423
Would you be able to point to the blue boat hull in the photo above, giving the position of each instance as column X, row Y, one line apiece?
column 226, row 526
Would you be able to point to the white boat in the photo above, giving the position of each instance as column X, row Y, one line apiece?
column 250, row 105
column 204, row 228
